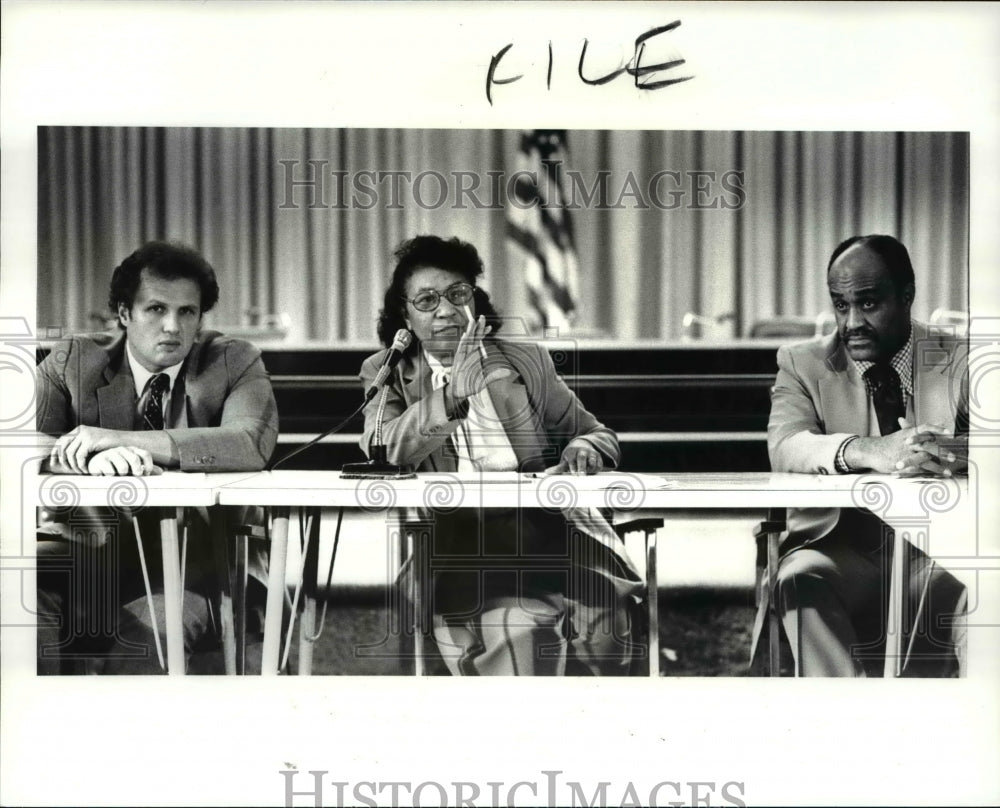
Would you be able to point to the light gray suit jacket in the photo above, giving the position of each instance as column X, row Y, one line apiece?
column 819, row 400
column 539, row 413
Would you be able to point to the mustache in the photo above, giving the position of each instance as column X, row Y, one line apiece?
column 857, row 332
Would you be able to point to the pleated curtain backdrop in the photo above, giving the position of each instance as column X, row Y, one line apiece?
column 297, row 221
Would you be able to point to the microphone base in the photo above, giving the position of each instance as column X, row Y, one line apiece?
column 378, row 468
column 373, row 470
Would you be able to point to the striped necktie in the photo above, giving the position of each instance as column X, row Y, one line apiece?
column 152, row 414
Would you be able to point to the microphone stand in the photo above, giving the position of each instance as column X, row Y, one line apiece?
column 378, row 468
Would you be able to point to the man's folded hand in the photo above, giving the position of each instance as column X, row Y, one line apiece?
column 123, row 460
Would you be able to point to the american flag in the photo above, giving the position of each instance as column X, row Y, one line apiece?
column 540, row 232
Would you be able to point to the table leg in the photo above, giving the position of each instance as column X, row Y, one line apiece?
column 172, row 594
column 275, row 591
column 418, row 550
column 894, row 619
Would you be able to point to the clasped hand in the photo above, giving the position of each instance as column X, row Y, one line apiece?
column 93, row 450
column 920, row 450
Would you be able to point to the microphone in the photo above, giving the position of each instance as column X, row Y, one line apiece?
column 379, row 468
column 399, row 345
column 372, row 469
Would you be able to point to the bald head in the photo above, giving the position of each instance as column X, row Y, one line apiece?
column 871, row 296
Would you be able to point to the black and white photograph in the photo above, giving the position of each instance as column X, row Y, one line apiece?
column 666, row 423
column 660, row 295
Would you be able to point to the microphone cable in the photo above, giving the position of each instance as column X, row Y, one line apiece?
column 275, row 463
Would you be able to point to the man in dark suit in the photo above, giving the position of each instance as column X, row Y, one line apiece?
column 881, row 394
column 158, row 394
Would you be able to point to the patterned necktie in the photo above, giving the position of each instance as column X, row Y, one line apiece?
column 152, row 414
column 887, row 396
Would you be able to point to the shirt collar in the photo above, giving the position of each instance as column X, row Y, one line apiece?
column 141, row 376
column 440, row 373
column 901, row 362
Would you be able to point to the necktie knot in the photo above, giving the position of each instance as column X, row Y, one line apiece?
column 158, row 384
column 879, row 375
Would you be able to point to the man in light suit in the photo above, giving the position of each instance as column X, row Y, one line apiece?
column 158, row 394
column 515, row 591
column 881, row 394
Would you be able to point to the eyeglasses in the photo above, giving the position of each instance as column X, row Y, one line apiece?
column 458, row 294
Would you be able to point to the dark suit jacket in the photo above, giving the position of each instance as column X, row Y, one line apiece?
column 222, row 412
column 819, row 400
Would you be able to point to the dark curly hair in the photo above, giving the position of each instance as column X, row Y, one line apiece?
column 892, row 252
column 166, row 260
column 419, row 252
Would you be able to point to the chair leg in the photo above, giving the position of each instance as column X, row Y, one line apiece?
column 149, row 592
column 310, row 592
column 768, row 535
column 227, row 626
column 774, row 620
column 653, row 596
column 240, row 603
column 307, row 630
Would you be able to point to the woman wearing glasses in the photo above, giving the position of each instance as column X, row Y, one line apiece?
column 513, row 591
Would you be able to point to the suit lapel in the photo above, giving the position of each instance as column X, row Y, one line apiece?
column 180, row 404
column 512, row 404
column 514, row 410
column 416, row 376
column 416, row 379
column 116, row 401
column 932, row 360
column 843, row 397
column 188, row 389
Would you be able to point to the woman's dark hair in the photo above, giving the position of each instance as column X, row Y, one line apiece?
column 165, row 260
column 892, row 252
column 419, row 252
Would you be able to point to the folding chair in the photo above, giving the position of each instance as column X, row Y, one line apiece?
column 768, row 536
column 418, row 545
column 232, row 578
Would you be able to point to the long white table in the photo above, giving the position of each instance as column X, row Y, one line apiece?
column 915, row 508
column 910, row 505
